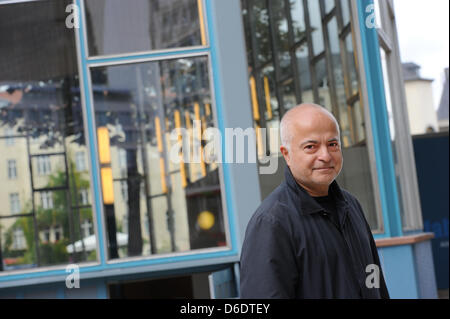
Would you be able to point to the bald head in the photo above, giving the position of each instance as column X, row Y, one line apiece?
column 303, row 112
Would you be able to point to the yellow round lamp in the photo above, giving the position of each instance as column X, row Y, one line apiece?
column 206, row 220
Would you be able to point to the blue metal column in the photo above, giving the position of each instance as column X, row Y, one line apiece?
column 379, row 119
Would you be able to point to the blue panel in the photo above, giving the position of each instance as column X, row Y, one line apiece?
column 91, row 135
column 432, row 152
column 220, row 116
column 223, row 284
column 399, row 271
column 426, row 279
column 231, row 85
column 102, row 292
column 380, row 125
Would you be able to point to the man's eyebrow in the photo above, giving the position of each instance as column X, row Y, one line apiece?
column 316, row 142
column 309, row 141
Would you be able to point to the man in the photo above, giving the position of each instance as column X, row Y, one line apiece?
column 309, row 238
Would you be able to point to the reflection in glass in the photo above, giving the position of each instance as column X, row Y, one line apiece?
column 353, row 80
column 272, row 110
column 345, row 9
column 329, row 5
column 258, row 21
column 150, row 118
column 327, row 76
column 304, row 72
column 279, row 25
column 288, row 90
column 320, row 70
column 343, row 116
column 316, row 26
column 406, row 218
column 298, row 19
column 115, row 26
column 41, row 216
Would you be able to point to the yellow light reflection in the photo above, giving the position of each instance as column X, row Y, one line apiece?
column 107, row 185
column 158, row 134
column 180, row 140
column 254, row 99
column 206, row 220
column 202, row 24
column 103, row 145
column 267, row 91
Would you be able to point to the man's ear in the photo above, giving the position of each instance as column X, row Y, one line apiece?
column 285, row 153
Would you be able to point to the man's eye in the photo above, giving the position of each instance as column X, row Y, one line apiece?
column 309, row 147
column 334, row 144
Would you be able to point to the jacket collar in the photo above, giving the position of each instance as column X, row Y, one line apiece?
column 307, row 203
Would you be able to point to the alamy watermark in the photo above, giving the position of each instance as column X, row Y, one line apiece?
column 237, row 145
column 371, row 19
column 73, row 19
column 373, row 279
column 73, row 279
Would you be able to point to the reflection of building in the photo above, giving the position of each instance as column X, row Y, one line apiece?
column 419, row 98
column 35, row 181
column 147, row 73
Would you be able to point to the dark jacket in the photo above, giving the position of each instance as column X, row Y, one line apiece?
column 293, row 249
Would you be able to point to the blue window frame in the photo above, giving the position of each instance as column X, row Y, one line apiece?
column 374, row 87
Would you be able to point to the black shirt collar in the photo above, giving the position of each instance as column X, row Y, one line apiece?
column 307, row 203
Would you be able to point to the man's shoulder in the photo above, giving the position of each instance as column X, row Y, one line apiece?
column 274, row 208
column 354, row 204
column 349, row 197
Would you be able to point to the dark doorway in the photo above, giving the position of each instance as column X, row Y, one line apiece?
column 184, row 287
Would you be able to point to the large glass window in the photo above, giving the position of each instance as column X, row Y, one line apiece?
column 42, row 125
column 117, row 26
column 309, row 52
column 157, row 197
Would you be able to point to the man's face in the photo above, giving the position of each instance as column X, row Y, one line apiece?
column 315, row 156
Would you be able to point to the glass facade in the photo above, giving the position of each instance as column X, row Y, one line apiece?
column 305, row 51
column 159, row 194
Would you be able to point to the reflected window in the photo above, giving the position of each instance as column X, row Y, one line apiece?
column 19, row 242
column 44, row 166
column 115, row 26
column 80, row 162
column 14, row 203
column 84, row 196
column 86, row 226
column 9, row 136
column 47, row 200
column 12, row 169
column 41, row 123
column 156, row 182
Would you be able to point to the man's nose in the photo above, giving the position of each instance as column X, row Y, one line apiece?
column 324, row 154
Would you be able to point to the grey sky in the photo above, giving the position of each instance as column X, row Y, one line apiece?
column 423, row 30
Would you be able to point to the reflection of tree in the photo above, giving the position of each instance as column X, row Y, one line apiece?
column 267, row 28
column 48, row 113
column 51, row 252
column 40, row 84
column 154, row 90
